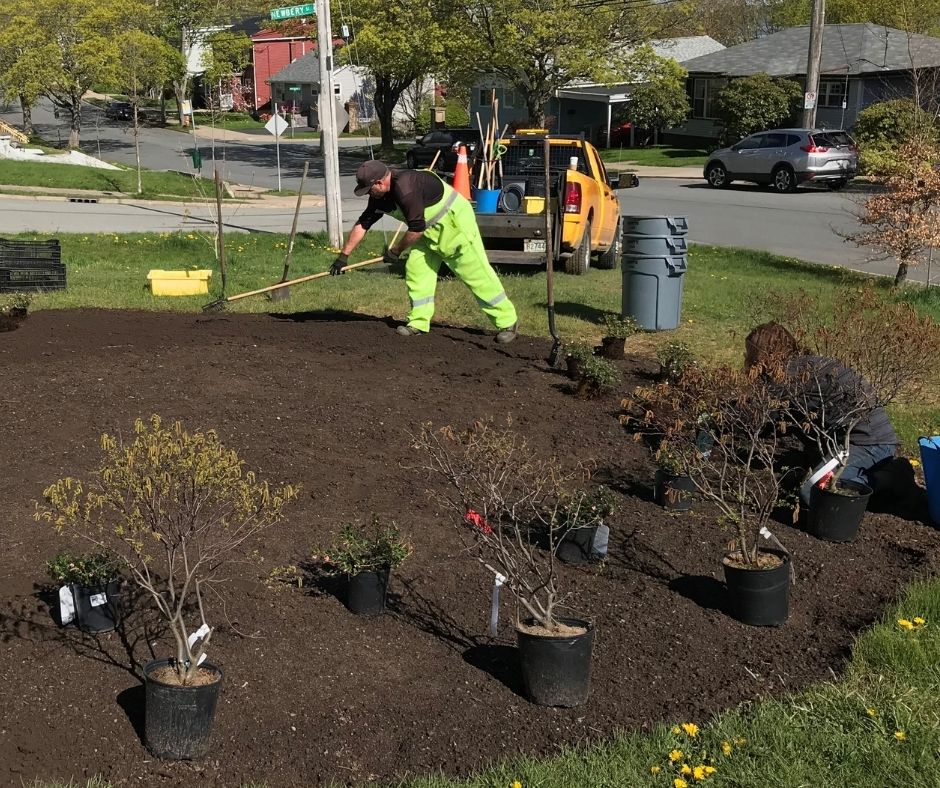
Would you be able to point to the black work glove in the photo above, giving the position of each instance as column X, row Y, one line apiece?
column 390, row 257
column 339, row 264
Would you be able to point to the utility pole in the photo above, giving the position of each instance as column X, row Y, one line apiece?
column 334, row 211
column 810, row 97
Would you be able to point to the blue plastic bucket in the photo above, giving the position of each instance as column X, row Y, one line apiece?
column 930, row 459
column 487, row 200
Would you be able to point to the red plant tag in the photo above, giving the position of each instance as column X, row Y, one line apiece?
column 475, row 519
column 823, row 483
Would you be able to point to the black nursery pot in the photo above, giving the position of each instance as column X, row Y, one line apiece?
column 835, row 515
column 556, row 671
column 759, row 597
column 178, row 720
column 97, row 608
column 582, row 545
column 612, row 347
column 672, row 491
column 365, row 592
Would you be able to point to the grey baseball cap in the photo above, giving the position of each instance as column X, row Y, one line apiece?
column 368, row 173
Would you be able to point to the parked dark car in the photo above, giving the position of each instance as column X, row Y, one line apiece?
column 119, row 110
column 422, row 153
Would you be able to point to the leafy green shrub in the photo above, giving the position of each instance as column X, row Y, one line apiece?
column 882, row 127
column 620, row 327
column 587, row 508
column 753, row 103
column 13, row 302
column 92, row 569
column 674, row 359
column 597, row 375
column 359, row 549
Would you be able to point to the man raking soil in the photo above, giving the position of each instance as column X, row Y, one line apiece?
column 441, row 227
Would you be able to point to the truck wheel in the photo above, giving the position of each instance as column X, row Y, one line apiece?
column 580, row 261
column 609, row 260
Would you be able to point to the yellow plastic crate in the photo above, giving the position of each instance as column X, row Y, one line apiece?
column 179, row 283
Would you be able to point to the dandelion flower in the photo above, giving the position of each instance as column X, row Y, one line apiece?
column 871, row 712
column 655, row 769
column 699, row 772
column 905, row 624
column 900, row 735
column 516, row 784
column 918, row 621
column 686, row 770
column 675, row 755
column 676, row 729
column 726, row 747
column 679, row 783
column 709, row 770
column 740, row 741
column 690, row 728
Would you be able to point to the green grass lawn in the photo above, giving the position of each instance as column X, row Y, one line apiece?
column 657, row 156
column 123, row 181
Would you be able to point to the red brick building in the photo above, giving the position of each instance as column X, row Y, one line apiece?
column 272, row 50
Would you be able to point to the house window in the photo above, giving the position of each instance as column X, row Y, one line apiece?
column 831, row 93
column 703, row 96
column 507, row 97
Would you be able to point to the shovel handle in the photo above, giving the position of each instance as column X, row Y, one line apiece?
column 307, row 278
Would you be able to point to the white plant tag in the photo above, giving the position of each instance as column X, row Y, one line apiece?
column 494, row 603
column 97, row 600
column 199, row 634
column 66, row 605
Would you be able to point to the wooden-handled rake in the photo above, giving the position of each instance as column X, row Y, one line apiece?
column 219, row 303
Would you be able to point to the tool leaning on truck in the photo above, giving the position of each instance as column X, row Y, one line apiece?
column 587, row 226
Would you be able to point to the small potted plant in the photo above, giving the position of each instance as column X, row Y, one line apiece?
column 94, row 587
column 575, row 357
column 597, row 376
column 617, row 329
column 511, row 510
column 174, row 508
column 366, row 556
column 674, row 358
column 673, row 489
column 586, row 540
column 14, row 308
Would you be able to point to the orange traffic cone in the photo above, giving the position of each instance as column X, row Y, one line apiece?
column 462, row 173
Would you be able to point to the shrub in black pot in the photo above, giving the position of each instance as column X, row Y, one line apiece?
column 511, row 508
column 617, row 329
column 156, row 496
column 94, row 583
column 366, row 556
column 587, row 540
column 575, row 357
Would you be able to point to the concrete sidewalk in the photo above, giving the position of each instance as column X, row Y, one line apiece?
column 687, row 173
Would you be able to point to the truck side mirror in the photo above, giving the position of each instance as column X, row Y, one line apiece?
column 629, row 181
column 613, row 181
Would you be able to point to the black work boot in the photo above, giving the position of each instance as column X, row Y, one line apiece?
column 407, row 331
column 505, row 335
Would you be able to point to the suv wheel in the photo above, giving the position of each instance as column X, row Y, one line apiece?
column 410, row 161
column 580, row 262
column 609, row 260
column 717, row 176
column 783, row 179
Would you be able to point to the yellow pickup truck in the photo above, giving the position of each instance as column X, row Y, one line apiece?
column 585, row 208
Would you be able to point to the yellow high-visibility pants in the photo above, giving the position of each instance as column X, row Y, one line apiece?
column 456, row 241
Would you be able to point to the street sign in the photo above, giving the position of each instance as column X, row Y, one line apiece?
column 292, row 12
column 294, row 88
column 809, row 99
column 276, row 125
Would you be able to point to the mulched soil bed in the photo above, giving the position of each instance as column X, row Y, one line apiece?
column 311, row 692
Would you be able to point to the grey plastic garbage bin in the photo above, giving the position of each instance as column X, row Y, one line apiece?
column 654, row 263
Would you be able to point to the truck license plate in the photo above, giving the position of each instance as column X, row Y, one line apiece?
column 533, row 245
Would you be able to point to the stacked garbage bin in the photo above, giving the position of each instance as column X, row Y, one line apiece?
column 654, row 261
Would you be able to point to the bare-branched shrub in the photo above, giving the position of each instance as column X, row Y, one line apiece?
column 504, row 500
column 903, row 220
column 173, row 507
column 718, row 427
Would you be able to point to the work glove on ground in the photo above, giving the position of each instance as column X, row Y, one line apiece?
column 338, row 264
column 390, row 257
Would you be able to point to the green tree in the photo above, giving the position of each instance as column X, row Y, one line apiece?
column 539, row 47
column 79, row 39
column 658, row 99
column 145, row 62
column 398, row 43
column 756, row 102
column 914, row 16
column 25, row 68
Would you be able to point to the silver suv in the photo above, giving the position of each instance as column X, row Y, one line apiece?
column 785, row 158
